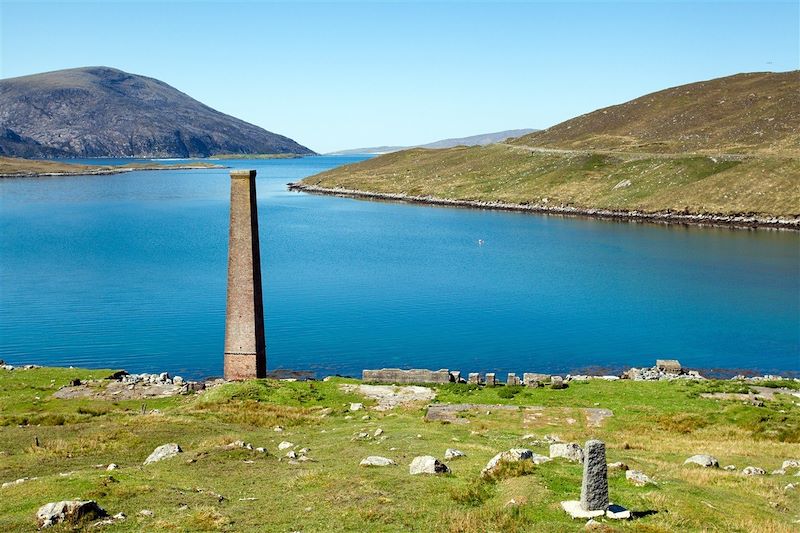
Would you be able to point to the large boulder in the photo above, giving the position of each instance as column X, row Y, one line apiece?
column 703, row 460
column 427, row 464
column 570, row 450
column 165, row 451
column 513, row 455
column 70, row 511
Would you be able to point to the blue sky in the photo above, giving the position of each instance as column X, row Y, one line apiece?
column 336, row 75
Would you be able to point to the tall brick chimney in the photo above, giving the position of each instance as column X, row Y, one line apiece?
column 245, row 348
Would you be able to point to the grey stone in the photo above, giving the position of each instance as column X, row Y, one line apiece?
column 512, row 456
column 491, row 380
column 753, row 471
column 452, row 453
column 534, row 379
column 640, row 479
column 356, row 406
column 624, row 184
column 455, row 376
column 285, row 445
column 557, row 382
column 396, row 375
column 112, row 466
column 779, row 472
column 427, row 464
column 512, row 379
column 71, row 511
column 671, row 366
column 376, row 460
column 474, row 378
column 165, row 451
column 730, row 467
column 571, row 451
column 617, row 512
column 146, row 512
column 790, row 463
column 594, row 489
column 703, row 460
column 619, row 465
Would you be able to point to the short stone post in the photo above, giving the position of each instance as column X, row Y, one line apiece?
column 491, row 381
column 594, row 489
column 245, row 347
column 474, row 378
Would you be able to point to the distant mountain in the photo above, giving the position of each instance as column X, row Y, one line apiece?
column 474, row 140
column 105, row 112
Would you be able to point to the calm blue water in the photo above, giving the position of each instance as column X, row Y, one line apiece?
column 129, row 271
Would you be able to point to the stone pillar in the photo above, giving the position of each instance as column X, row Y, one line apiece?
column 245, row 349
column 594, row 489
column 491, row 381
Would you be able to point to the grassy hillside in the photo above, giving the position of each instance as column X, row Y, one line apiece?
column 66, row 445
column 725, row 146
column 512, row 174
column 746, row 113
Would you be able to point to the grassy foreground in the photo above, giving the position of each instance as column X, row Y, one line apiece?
column 655, row 426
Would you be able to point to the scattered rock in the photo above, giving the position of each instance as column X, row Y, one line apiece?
column 790, row 486
column 291, row 454
column 640, row 479
column 452, row 453
column 71, row 511
column 791, row 463
column 753, row 471
column 165, row 451
column 277, row 429
column 261, row 450
column 376, row 460
column 779, row 472
column 706, row 461
column 427, row 464
column 571, row 451
column 513, row 455
column 619, row 465
column 146, row 512
column 285, row 445
column 356, row 406
column 378, row 432
column 557, row 382
column 624, row 184
column 112, row 466
column 730, row 467
column 17, row 481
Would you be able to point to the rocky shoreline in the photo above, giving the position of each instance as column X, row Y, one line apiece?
column 738, row 221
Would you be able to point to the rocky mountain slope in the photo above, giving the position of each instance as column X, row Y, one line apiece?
column 105, row 112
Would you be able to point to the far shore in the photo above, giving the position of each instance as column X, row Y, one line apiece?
column 12, row 167
column 738, row 220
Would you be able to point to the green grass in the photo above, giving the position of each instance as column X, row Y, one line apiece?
column 655, row 426
column 513, row 174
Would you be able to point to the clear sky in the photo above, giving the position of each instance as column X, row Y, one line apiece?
column 336, row 75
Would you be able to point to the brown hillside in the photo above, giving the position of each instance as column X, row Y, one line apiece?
column 745, row 113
